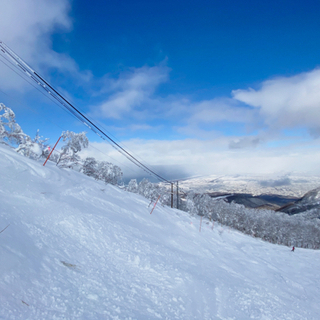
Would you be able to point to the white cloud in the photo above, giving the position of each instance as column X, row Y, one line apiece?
column 195, row 157
column 245, row 142
column 134, row 91
column 193, row 130
column 204, row 118
column 26, row 27
column 282, row 103
column 221, row 109
column 287, row 102
column 143, row 127
column 24, row 22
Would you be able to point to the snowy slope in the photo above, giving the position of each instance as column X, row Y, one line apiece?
column 79, row 249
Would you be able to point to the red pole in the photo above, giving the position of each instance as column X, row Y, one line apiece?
column 155, row 204
column 51, row 151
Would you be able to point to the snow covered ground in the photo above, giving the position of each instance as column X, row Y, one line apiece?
column 79, row 249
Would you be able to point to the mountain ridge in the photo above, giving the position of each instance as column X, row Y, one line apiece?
column 290, row 185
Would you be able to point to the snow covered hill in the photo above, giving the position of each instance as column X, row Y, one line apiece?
column 79, row 249
column 310, row 200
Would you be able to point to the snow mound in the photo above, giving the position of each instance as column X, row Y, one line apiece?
column 79, row 249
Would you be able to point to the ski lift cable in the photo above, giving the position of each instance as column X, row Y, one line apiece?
column 125, row 146
column 46, row 86
column 23, row 66
column 52, row 98
column 115, row 160
column 95, row 128
column 58, row 103
column 22, row 76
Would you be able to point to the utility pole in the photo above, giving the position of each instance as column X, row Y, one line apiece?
column 171, row 195
column 177, row 194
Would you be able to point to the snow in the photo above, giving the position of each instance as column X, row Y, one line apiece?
column 79, row 249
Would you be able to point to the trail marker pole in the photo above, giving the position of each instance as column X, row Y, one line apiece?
column 51, row 151
column 171, row 195
column 200, row 224
column 155, row 204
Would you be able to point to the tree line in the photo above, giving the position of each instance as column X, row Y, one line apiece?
column 300, row 230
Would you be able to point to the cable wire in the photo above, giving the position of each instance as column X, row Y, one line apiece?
column 22, row 66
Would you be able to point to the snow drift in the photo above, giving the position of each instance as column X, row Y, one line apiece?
column 76, row 248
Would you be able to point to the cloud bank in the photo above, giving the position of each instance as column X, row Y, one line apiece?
column 287, row 102
column 132, row 92
column 254, row 135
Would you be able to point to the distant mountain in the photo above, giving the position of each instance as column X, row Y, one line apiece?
column 309, row 201
column 275, row 192
column 272, row 202
column 289, row 185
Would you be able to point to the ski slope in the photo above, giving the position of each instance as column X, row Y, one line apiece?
column 79, row 249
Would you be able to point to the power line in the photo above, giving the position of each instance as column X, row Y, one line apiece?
column 23, row 76
column 22, row 66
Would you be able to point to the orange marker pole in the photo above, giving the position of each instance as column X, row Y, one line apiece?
column 51, row 151
column 155, row 204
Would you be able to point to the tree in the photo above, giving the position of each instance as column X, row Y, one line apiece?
column 132, row 186
column 35, row 148
column 90, row 167
column 10, row 131
column 102, row 170
column 75, row 142
column 149, row 190
column 109, row 173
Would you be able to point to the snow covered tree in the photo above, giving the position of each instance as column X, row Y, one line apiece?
column 90, row 167
column 132, row 186
column 10, row 131
column 147, row 189
column 301, row 230
column 102, row 170
column 35, row 148
column 109, row 173
column 75, row 142
column 150, row 190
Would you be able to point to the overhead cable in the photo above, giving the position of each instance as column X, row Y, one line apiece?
column 22, row 66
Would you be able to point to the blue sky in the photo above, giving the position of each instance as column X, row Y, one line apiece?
column 220, row 87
